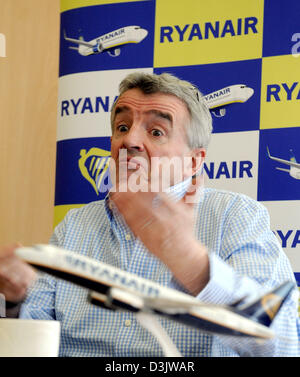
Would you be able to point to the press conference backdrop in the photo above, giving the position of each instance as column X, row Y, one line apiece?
column 242, row 53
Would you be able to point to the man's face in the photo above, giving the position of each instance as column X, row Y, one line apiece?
column 149, row 127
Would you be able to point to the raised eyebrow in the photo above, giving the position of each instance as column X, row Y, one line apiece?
column 161, row 114
column 120, row 109
column 158, row 113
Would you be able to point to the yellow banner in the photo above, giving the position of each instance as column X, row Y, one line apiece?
column 188, row 32
column 280, row 92
column 61, row 211
column 72, row 4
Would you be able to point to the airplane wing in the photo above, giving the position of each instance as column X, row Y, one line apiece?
column 115, row 289
column 286, row 170
column 78, row 41
column 286, row 162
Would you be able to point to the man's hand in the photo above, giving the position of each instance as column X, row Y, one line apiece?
column 16, row 276
column 166, row 228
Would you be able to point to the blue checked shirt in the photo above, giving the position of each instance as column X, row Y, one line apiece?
column 245, row 260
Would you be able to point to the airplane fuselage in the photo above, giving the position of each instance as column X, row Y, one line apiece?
column 228, row 95
column 114, row 39
column 103, row 279
column 295, row 172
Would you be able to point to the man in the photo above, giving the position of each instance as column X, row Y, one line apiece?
column 212, row 244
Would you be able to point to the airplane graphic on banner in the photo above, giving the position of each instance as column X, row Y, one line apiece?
column 218, row 101
column 110, row 42
column 294, row 169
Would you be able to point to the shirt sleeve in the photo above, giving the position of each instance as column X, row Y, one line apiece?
column 40, row 300
column 249, row 263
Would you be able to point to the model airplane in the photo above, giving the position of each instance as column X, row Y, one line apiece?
column 110, row 42
column 115, row 289
column 218, row 101
column 294, row 169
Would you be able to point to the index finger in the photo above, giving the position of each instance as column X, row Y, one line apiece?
column 195, row 190
column 8, row 250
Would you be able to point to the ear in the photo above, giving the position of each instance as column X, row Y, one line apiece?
column 198, row 157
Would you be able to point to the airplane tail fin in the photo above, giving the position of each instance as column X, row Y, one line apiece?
column 292, row 156
column 266, row 307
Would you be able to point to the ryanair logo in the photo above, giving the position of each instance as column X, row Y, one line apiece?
column 208, row 30
column 288, row 238
column 87, row 105
column 280, row 92
column 93, row 166
column 218, row 94
column 113, row 277
column 111, row 35
column 234, row 169
column 283, row 92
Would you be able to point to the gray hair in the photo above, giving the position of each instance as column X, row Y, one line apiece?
column 200, row 128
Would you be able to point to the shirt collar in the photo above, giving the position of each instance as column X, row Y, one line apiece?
column 178, row 191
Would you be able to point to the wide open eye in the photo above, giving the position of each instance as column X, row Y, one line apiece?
column 122, row 128
column 156, row 132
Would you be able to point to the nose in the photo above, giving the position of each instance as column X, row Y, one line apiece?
column 134, row 139
column 143, row 33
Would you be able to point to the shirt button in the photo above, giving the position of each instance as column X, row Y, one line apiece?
column 127, row 237
column 128, row 323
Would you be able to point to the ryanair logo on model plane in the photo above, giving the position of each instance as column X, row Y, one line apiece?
column 111, row 42
column 208, row 30
column 113, row 277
